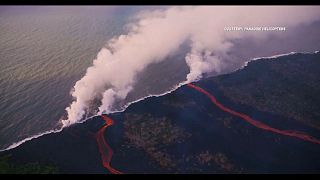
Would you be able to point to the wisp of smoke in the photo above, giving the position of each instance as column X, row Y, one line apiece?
column 154, row 35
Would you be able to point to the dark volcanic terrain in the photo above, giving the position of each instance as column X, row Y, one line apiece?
column 184, row 132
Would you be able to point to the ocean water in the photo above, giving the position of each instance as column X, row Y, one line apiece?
column 43, row 52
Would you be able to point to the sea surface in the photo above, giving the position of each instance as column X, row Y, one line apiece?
column 43, row 52
column 185, row 132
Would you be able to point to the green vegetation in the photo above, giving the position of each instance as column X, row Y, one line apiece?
column 30, row 168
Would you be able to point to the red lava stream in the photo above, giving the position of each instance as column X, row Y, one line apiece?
column 104, row 148
column 260, row 125
column 106, row 151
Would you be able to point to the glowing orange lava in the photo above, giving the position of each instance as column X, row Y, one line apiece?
column 104, row 148
column 106, row 151
column 299, row 135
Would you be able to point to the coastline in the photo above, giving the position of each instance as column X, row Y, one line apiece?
column 18, row 143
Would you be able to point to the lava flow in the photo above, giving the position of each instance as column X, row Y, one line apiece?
column 104, row 148
column 256, row 123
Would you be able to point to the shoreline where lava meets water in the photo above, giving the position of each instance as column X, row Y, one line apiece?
column 260, row 125
column 104, row 146
column 18, row 143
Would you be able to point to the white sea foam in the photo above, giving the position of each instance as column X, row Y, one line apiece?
column 275, row 56
column 16, row 144
column 156, row 35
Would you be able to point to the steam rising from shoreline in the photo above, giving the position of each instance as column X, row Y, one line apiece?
column 157, row 34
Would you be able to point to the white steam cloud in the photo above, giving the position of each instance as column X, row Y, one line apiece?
column 156, row 34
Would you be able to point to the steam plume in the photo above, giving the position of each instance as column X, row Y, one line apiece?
column 156, row 34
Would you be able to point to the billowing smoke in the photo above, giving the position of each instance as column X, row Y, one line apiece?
column 154, row 35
